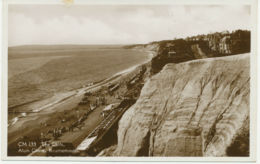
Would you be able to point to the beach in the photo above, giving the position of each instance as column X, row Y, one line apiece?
column 22, row 122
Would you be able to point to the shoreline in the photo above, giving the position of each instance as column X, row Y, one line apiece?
column 25, row 124
column 41, row 106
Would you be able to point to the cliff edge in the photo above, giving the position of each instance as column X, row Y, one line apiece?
column 194, row 108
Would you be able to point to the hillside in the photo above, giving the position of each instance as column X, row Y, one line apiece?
column 195, row 108
column 195, row 101
column 217, row 44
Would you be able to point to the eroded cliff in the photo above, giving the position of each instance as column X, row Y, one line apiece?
column 194, row 108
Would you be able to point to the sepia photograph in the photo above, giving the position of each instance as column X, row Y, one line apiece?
column 130, row 80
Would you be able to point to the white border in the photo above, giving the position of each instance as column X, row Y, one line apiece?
column 253, row 95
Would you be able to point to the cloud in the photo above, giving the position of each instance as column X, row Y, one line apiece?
column 119, row 24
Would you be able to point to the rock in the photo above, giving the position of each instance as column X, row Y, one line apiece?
column 195, row 108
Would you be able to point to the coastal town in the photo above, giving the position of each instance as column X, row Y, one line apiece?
column 91, row 126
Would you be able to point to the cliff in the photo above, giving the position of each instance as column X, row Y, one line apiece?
column 194, row 108
column 195, row 101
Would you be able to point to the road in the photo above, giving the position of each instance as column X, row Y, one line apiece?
column 97, row 134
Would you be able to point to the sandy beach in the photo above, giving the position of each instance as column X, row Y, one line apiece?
column 47, row 109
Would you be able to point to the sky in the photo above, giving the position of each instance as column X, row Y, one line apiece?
column 119, row 24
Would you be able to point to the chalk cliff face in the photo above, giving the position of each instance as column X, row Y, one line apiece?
column 194, row 108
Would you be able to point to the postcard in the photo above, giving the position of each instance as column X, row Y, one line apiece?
column 129, row 80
